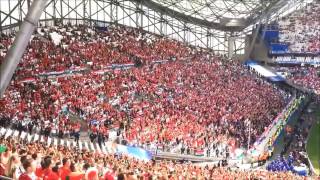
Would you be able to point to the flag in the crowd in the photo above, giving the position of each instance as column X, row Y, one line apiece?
column 55, row 142
column 99, row 72
column 23, row 135
column 104, row 149
column 61, row 142
column 49, row 141
column 92, row 147
column 68, row 143
column 199, row 152
column 3, row 131
column 42, row 139
column 8, row 133
column 36, row 137
column 98, row 148
column 29, row 137
column 28, row 80
column 74, row 144
column 80, row 145
column 2, row 148
column 86, row 145
column 16, row 133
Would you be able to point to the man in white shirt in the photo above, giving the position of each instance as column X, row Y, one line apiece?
column 29, row 173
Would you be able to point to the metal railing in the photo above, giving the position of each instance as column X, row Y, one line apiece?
column 5, row 178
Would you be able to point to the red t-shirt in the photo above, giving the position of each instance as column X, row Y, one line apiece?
column 51, row 176
column 46, row 174
column 39, row 172
column 75, row 176
column 2, row 169
column 109, row 176
column 64, row 171
column 24, row 176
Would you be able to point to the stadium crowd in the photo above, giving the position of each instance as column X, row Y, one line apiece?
column 163, row 95
column 308, row 77
column 60, row 48
column 33, row 161
column 185, row 105
column 301, row 29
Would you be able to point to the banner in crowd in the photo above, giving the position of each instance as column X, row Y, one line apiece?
column 199, row 152
column 68, row 71
column 297, row 60
column 81, row 69
column 100, row 72
column 284, row 120
column 28, row 80
column 269, row 137
column 262, row 71
column 114, row 66
column 134, row 152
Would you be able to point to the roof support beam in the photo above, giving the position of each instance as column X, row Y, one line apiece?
column 188, row 19
column 271, row 6
column 20, row 43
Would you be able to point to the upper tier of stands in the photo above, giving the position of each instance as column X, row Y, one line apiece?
column 66, row 47
column 301, row 29
column 308, row 77
column 297, row 34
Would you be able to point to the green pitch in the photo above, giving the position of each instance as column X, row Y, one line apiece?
column 313, row 146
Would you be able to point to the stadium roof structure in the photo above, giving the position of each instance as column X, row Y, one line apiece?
column 205, row 23
column 226, row 15
column 213, row 10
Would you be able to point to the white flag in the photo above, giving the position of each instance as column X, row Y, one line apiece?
column 104, row 149
column 91, row 146
column 29, row 137
column 75, row 143
column 2, row 131
column 23, row 135
column 16, row 133
column 98, row 148
column 61, row 142
column 86, row 145
column 42, row 139
column 8, row 133
column 80, row 145
column 49, row 141
column 55, row 142
column 36, row 137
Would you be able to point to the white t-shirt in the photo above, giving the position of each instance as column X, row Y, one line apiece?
column 19, row 170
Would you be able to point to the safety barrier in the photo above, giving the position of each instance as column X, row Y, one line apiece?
column 5, row 178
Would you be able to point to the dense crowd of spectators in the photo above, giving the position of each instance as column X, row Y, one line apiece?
column 308, row 77
column 59, row 48
column 301, row 29
column 281, row 164
column 33, row 161
column 193, row 102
